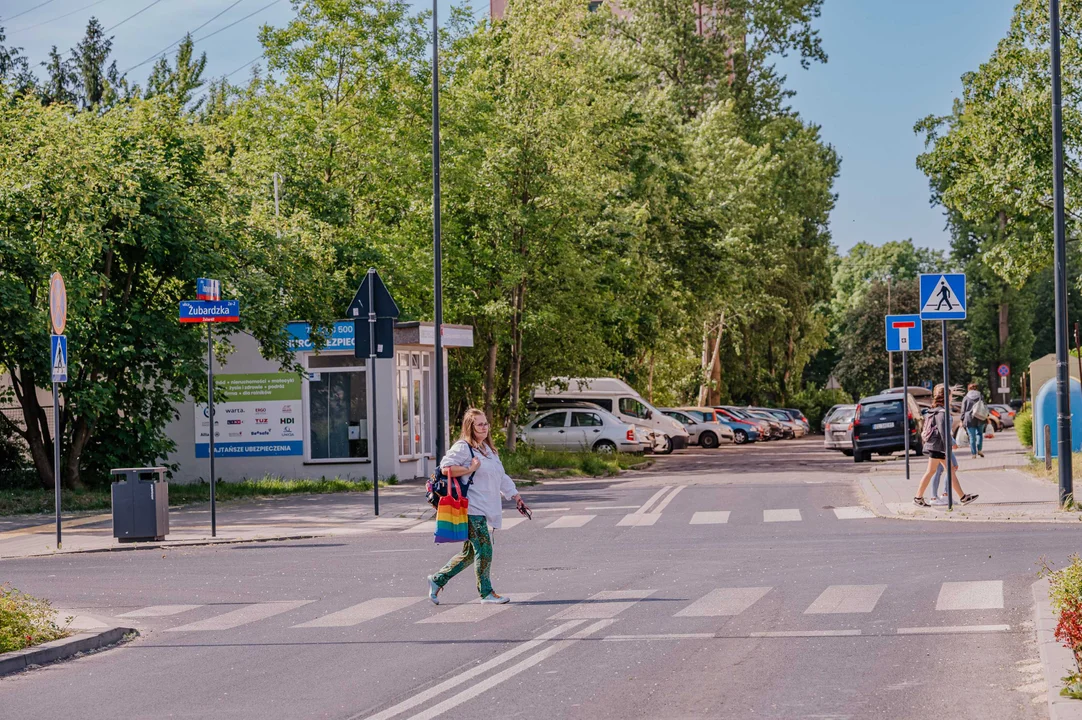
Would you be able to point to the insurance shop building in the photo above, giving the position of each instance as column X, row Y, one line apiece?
column 316, row 424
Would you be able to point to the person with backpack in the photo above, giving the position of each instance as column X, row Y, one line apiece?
column 935, row 437
column 475, row 455
column 974, row 417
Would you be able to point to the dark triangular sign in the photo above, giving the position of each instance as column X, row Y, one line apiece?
column 385, row 304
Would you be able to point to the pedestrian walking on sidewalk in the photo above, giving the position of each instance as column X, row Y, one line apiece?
column 938, row 499
column 489, row 484
column 974, row 417
column 936, row 435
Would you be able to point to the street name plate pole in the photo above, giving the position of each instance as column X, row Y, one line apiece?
column 210, row 409
column 905, row 406
column 372, row 374
column 947, row 417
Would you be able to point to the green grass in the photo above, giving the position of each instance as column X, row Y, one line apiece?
column 531, row 464
column 26, row 621
column 23, row 501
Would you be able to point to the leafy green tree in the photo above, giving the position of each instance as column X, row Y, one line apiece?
column 180, row 80
column 61, row 80
column 15, row 67
column 97, row 81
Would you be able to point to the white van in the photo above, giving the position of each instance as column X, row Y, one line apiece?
column 621, row 400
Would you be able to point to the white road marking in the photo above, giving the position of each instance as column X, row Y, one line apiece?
column 475, row 611
column 362, row 612
column 78, row 622
column 805, row 633
column 781, row 516
column 636, row 520
column 660, row 636
column 980, row 595
column 547, row 509
column 400, row 550
column 605, row 604
column 710, row 517
column 488, row 683
column 570, row 521
column 846, row 599
column 724, row 601
column 508, row 523
column 390, row 523
column 612, row 507
column 953, row 629
column 853, row 513
column 242, row 616
column 653, row 499
column 158, row 611
column 665, row 503
column 468, row 675
column 429, row 526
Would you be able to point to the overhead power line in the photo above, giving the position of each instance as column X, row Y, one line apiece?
column 255, row 12
column 250, row 62
column 29, row 10
column 58, row 17
column 140, row 12
column 177, row 42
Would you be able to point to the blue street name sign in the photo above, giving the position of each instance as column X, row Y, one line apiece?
column 904, row 333
column 207, row 289
column 58, row 357
column 943, row 296
column 201, row 311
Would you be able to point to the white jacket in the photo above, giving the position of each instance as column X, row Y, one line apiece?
column 490, row 482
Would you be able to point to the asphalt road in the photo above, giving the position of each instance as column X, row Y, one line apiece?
column 724, row 584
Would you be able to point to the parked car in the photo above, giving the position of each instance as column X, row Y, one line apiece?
column 769, row 428
column 1006, row 414
column 788, row 427
column 799, row 417
column 702, row 432
column 797, row 427
column 828, row 413
column 880, row 423
column 838, row 429
column 617, row 397
column 744, row 430
column 579, row 427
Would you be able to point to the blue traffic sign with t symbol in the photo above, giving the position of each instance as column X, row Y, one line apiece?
column 943, row 296
column 904, row 333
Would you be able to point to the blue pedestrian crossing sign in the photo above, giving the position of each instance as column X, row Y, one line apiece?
column 904, row 333
column 58, row 355
column 943, row 296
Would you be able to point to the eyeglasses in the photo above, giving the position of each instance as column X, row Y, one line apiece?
column 481, row 425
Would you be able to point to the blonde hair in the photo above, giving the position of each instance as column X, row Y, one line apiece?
column 469, row 431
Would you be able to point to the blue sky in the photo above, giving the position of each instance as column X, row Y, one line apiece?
column 891, row 63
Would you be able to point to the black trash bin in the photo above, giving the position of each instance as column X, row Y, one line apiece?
column 140, row 504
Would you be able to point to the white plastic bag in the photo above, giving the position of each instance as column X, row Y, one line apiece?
column 961, row 438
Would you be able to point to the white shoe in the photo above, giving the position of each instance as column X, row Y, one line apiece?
column 494, row 599
column 939, row 501
column 433, row 591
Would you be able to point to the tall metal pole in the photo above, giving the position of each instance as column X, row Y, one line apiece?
column 210, row 410
column 905, row 407
column 437, row 255
column 56, row 455
column 372, row 374
column 1063, row 382
column 947, row 419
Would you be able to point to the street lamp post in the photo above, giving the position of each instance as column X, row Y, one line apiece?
column 1063, row 387
column 437, row 257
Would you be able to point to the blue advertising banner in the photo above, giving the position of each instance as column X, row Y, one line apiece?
column 340, row 337
column 250, row 449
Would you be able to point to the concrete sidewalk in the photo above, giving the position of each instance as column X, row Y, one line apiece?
column 290, row 517
column 1002, row 451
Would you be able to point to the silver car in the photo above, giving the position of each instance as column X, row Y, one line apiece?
column 580, row 428
column 706, row 433
column 838, row 429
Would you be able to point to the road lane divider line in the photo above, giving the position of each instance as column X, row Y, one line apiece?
column 653, row 499
column 612, row 507
column 660, row 636
column 804, row 633
column 954, row 629
column 467, row 675
column 665, row 503
column 508, row 673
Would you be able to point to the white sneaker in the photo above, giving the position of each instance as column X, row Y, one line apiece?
column 939, row 501
column 433, row 591
column 494, row 599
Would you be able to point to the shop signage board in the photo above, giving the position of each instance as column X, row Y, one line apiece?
column 260, row 417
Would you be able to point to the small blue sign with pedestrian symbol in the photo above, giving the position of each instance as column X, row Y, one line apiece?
column 943, row 296
column 58, row 355
column 904, row 333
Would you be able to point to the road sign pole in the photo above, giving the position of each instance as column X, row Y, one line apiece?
column 1063, row 380
column 372, row 373
column 947, row 418
column 210, row 409
column 437, row 253
column 905, row 406
column 56, row 456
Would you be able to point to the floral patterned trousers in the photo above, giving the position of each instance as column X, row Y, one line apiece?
column 477, row 548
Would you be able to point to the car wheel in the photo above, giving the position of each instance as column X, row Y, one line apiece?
column 708, row 440
column 739, row 437
column 666, row 449
column 858, row 456
column 604, row 447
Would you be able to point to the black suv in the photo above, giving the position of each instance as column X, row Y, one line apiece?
column 878, row 426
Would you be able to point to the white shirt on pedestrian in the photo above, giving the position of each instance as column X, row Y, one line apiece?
column 490, row 482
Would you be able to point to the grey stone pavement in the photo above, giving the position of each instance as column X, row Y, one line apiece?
column 736, row 583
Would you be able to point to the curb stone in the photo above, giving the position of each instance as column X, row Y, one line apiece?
column 1055, row 658
column 62, row 649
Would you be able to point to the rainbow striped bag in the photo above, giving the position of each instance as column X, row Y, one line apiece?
column 451, row 522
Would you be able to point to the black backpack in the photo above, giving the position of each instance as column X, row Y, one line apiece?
column 439, row 484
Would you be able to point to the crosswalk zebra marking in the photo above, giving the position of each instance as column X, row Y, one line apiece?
column 569, row 521
column 724, row 601
column 602, row 605
column 362, row 612
column 853, row 513
column 476, row 610
column 838, row 599
column 788, row 515
column 242, row 616
column 710, row 517
column 978, row 595
column 428, row 527
column 636, row 520
column 508, row 523
column 158, row 611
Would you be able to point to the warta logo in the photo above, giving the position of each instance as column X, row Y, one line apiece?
column 234, row 411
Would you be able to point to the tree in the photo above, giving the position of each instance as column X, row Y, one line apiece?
column 15, row 68
column 181, row 80
column 98, row 83
column 59, row 86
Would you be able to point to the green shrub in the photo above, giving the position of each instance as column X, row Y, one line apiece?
column 26, row 621
column 526, row 459
column 1023, row 425
column 815, row 403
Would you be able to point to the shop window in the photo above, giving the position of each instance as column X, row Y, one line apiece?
column 337, row 409
column 415, row 393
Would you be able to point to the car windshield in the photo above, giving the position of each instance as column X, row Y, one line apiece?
column 872, row 411
column 701, row 415
column 841, row 416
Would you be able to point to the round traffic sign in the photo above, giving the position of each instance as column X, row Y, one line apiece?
column 58, row 303
column 1004, row 370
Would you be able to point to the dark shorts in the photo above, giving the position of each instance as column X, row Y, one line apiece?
column 935, row 455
